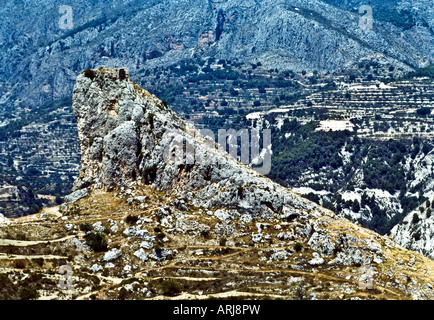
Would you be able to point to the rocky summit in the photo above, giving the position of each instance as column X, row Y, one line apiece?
column 160, row 211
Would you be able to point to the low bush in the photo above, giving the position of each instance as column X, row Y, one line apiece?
column 298, row 247
column 223, row 241
column 28, row 293
column 171, row 288
column 97, row 241
column 130, row 219
column 88, row 73
column 86, row 226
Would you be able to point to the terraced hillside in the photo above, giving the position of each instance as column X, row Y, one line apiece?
column 156, row 251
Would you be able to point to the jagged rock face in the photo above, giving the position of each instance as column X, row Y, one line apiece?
column 128, row 135
column 416, row 231
column 107, row 111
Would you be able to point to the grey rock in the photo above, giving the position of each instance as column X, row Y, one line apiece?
column 148, row 242
column 322, row 243
column 112, row 254
column 136, row 232
column 81, row 246
column 224, row 229
column 286, row 236
column 161, row 255
column 96, row 267
column 280, row 255
column 98, row 227
column 139, row 199
column 4, row 220
column 141, row 254
column 76, row 195
column 222, row 215
column 257, row 237
column 305, row 231
column 317, row 260
column 144, row 151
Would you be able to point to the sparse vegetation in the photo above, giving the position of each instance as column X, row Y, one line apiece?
column 171, row 288
column 88, row 73
column 86, row 227
column 97, row 241
column 28, row 293
column 131, row 219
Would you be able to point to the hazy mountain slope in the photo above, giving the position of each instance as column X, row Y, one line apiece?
column 283, row 34
column 416, row 231
column 360, row 150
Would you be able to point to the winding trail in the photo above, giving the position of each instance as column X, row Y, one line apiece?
column 25, row 243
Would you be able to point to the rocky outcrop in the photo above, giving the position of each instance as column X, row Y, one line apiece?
column 416, row 231
column 3, row 220
column 127, row 135
column 39, row 60
column 130, row 138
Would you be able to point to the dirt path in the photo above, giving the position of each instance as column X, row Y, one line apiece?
column 25, row 243
column 17, row 256
column 51, row 211
column 221, row 295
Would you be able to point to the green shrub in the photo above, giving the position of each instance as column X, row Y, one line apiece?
column 123, row 294
column 86, row 226
column 39, row 261
column 97, row 241
column 130, row 219
column 151, row 119
column 415, row 218
column 171, row 288
column 88, row 73
column 157, row 247
column 20, row 264
column 8, row 289
column 28, row 293
column 298, row 247
column 160, row 235
column 223, row 241
column 205, row 234
column 21, row 236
